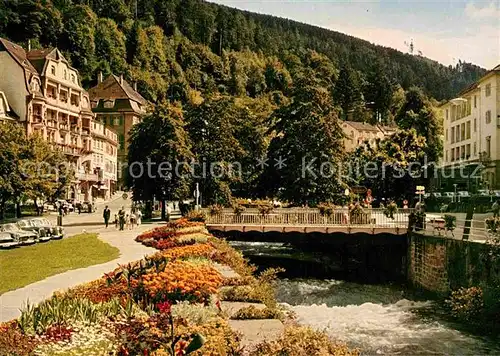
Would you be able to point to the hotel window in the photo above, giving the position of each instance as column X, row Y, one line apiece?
column 488, row 90
column 488, row 116
column 462, row 130
column 53, row 70
column 453, row 135
column 475, row 125
column 446, row 156
column 446, row 134
column 467, row 150
column 117, row 121
column 446, row 114
column 457, row 138
column 475, row 149
column 65, row 75
column 475, row 101
column 488, row 146
column 452, row 154
column 468, row 130
column 73, row 78
column 122, row 142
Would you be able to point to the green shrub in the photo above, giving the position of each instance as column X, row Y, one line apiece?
column 252, row 312
column 466, row 303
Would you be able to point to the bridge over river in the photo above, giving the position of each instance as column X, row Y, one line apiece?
column 303, row 220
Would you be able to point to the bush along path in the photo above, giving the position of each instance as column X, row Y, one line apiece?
column 195, row 296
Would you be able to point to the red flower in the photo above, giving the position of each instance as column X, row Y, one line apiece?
column 165, row 307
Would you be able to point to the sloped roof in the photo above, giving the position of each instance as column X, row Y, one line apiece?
column 113, row 87
column 362, row 126
column 18, row 53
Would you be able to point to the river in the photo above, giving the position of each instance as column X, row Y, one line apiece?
column 379, row 319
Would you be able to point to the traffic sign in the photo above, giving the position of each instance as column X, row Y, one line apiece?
column 420, row 192
column 420, row 187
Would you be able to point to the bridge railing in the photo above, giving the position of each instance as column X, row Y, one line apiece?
column 311, row 217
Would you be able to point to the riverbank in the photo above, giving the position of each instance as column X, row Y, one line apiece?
column 196, row 295
column 377, row 318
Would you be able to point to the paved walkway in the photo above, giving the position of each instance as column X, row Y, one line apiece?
column 11, row 302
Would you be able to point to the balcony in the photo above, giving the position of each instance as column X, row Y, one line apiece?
column 64, row 128
column 87, row 177
column 37, row 119
column 85, row 132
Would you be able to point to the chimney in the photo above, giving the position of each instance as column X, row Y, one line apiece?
column 29, row 45
column 135, row 86
column 99, row 78
column 121, row 79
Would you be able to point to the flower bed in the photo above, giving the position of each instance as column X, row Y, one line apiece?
column 183, row 281
column 164, row 304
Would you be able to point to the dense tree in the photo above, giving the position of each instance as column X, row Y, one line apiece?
column 417, row 112
column 212, row 130
column 392, row 167
column 347, row 92
column 79, row 28
column 304, row 157
column 378, row 92
column 159, row 156
column 110, row 45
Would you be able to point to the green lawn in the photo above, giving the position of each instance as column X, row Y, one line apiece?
column 25, row 265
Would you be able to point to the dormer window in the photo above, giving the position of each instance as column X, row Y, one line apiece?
column 53, row 70
column 65, row 75
column 109, row 104
column 73, row 78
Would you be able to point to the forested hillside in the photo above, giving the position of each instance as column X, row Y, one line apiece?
column 106, row 35
column 230, row 86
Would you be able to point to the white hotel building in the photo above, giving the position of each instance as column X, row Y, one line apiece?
column 472, row 134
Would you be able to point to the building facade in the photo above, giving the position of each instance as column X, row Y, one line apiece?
column 46, row 93
column 6, row 114
column 472, row 136
column 357, row 133
column 118, row 106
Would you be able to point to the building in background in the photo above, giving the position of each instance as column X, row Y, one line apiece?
column 357, row 133
column 472, row 136
column 6, row 113
column 46, row 93
column 118, row 106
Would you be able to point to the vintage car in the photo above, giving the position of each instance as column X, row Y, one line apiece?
column 28, row 225
column 55, row 232
column 7, row 240
column 23, row 237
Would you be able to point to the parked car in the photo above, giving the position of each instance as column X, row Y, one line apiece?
column 28, row 225
column 23, row 237
column 7, row 240
column 464, row 193
column 483, row 192
column 449, row 194
column 55, row 232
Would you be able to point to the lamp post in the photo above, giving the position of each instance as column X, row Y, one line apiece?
column 455, row 196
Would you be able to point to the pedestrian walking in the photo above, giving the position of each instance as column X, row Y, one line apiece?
column 132, row 219
column 116, row 221
column 496, row 209
column 106, row 214
column 127, row 222
column 121, row 218
column 139, row 217
column 169, row 212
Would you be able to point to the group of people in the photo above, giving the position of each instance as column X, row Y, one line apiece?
column 123, row 220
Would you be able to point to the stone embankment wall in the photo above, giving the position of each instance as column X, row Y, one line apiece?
column 439, row 265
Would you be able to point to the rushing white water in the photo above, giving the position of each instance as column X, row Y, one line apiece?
column 396, row 328
column 378, row 319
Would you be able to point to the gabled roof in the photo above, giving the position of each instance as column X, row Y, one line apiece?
column 38, row 57
column 114, row 87
column 18, row 53
column 362, row 126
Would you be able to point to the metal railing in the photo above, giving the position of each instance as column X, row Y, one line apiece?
column 311, row 217
column 474, row 229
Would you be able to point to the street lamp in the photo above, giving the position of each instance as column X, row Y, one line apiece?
column 455, row 185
